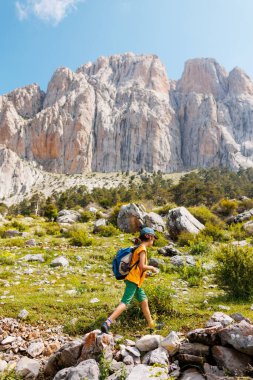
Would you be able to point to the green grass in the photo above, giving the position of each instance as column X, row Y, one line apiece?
column 43, row 292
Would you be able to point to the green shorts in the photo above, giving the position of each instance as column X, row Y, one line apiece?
column 131, row 291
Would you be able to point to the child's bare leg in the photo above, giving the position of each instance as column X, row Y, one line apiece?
column 119, row 309
column 146, row 312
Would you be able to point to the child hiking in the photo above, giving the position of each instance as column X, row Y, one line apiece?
column 134, row 281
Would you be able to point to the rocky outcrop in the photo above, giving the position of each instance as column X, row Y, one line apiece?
column 123, row 113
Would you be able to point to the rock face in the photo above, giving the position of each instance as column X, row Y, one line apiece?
column 123, row 113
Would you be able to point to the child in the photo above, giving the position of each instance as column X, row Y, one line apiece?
column 135, row 279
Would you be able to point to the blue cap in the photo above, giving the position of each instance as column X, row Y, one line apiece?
column 148, row 231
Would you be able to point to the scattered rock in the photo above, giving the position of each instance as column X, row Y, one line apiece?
column 59, row 262
column 23, row 314
column 35, row 349
column 27, row 368
column 182, row 260
column 230, row 359
column 68, row 216
column 171, row 343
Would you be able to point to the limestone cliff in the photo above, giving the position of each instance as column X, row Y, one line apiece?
column 123, row 113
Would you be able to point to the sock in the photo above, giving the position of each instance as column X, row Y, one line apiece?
column 109, row 321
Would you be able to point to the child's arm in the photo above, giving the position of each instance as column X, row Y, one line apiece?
column 143, row 267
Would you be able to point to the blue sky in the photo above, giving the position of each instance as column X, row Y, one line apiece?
column 40, row 35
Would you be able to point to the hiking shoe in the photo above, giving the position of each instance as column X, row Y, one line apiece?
column 151, row 331
column 105, row 328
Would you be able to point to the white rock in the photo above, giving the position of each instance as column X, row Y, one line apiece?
column 35, row 349
column 23, row 314
column 28, row 368
column 171, row 343
column 148, row 342
column 59, row 261
column 8, row 340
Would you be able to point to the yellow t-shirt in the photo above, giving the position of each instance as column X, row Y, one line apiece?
column 135, row 275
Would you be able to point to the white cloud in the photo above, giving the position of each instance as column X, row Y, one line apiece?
column 47, row 10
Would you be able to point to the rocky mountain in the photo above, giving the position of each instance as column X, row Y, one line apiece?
column 123, row 113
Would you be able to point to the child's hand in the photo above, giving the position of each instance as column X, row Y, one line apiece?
column 155, row 270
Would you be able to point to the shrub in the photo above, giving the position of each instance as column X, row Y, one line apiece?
column 160, row 298
column 215, row 232
column 7, row 258
column 86, row 216
column 199, row 246
column 39, row 232
column 19, row 226
column 204, row 215
column 225, row 207
column 185, row 238
column 114, row 214
column 163, row 211
column 192, row 274
column 53, row 228
column 161, row 241
column 14, row 242
column 79, row 237
column 234, row 270
column 109, row 230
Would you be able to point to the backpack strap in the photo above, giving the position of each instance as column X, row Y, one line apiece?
column 137, row 262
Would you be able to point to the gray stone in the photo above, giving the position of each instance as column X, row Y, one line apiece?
column 182, row 260
column 171, row 343
column 179, row 219
column 240, row 336
column 28, row 368
column 148, row 342
column 142, row 371
column 31, row 243
column 154, row 221
column 131, row 217
column 11, row 233
column 97, row 224
column 59, row 262
column 34, row 257
column 219, row 318
column 35, row 349
column 245, row 215
column 23, row 314
column 85, row 370
column 68, row 216
column 170, row 250
column 156, row 262
column 191, row 374
column 3, row 365
column 230, row 359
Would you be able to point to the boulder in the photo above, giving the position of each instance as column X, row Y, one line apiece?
column 219, row 318
column 245, row 215
column 187, row 359
column 208, row 336
column 191, row 374
column 169, row 250
column 142, row 371
column 196, row 349
column 59, row 262
column 34, row 257
column 67, row 356
column 154, row 221
column 28, row 368
column 182, row 260
column 158, row 356
column 31, row 243
column 98, row 223
column 68, row 216
column 179, row 219
column 11, row 233
column 148, row 342
column 94, row 344
column 230, row 359
column 248, row 227
column 239, row 336
column 87, row 370
column 171, row 343
column 131, row 217
column 156, row 262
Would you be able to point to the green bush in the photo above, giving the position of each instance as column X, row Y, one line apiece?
column 192, row 274
column 234, row 270
column 163, row 211
column 107, row 231
column 161, row 241
column 185, row 238
column 40, row 232
column 160, row 298
column 13, row 242
column 114, row 214
column 19, row 226
column 215, row 232
column 86, row 216
column 198, row 247
column 204, row 215
column 53, row 228
column 79, row 237
column 7, row 258
column 237, row 231
column 225, row 207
